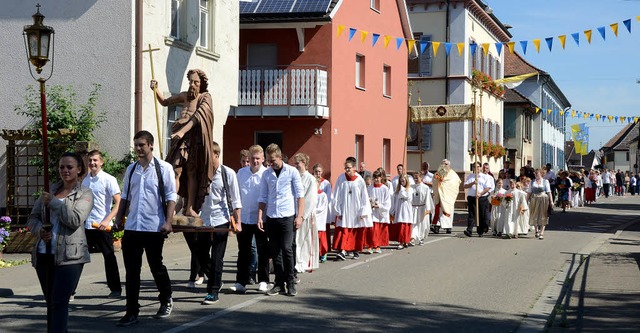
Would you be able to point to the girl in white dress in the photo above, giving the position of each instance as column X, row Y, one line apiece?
column 402, row 211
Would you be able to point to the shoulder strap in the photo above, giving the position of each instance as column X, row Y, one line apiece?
column 225, row 183
column 160, row 185
column 133, row 169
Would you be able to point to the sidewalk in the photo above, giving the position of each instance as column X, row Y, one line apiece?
column 604, row 293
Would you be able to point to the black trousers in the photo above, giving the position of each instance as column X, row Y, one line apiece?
column 211, row 249
column 482, row 209
column 57, row 283
column 196, row 268
column 103, row 241
column 245, row 256
column 134, row 243
column 281, row 233
column 606, row 189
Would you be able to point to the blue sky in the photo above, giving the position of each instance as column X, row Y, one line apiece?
column 596, row 78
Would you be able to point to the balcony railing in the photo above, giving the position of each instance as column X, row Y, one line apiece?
column 292, row 91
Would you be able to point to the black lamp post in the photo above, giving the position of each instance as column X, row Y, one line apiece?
column 37, row 41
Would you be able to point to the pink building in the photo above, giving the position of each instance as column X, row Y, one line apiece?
column 308, row 90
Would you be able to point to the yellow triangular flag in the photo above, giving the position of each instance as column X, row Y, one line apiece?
column 363, row 35
column 435, row 45
column 511, row 46
column 635, row 120
column 562, row 112
column 622, row 119
column 610, row 118
column 536, row 42
column 549, row 111
column 460, row 48
column 537, row 110
column 485, row 48
column 387, row 39
column 638, row 18
column 573, row 113
column 598, row 117
column 411, row 44
column 585, row 115
column 587, row 33
column 614, row 27
column 563, row 39
column 340, row 29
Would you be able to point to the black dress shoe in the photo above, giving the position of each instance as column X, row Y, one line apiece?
column 127, row 320
column 467, row 233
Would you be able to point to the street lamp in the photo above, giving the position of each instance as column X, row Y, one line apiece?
column 37, row 39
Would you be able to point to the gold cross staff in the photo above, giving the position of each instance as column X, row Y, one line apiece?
column 155, row 96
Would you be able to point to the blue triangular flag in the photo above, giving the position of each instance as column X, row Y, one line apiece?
column 576, row 37
column 523, row 44
column 424, row 46
column 629, row 120
column 473, row 47
column 591, row 116
column 499, row 47
column 616, row 118
column 447, row 48
column 352, row 32
column 627, row 23
column 602, row 32
column 399, row 42
column 549, row 42
column 374, row 40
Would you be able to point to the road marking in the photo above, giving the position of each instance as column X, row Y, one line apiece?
column 386, row 254
column 215, row 315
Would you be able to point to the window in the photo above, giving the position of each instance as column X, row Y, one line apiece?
column 386, row 80
column 262, row 56
column 265, row 138
column 509, row 123
column 204, row 24
column 175, row 19
column 386, row 155
column 498, row 138
column 528, row 126
column 375, row 5
column 360, row 71
column 359, row 149
column 173, row 114
column 426, row 65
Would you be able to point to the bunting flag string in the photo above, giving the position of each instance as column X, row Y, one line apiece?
column 473, row 46
column 577, row 114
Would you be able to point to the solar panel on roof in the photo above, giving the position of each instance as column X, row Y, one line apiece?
column 247, row 7
column 311, row 6
column 275, row 6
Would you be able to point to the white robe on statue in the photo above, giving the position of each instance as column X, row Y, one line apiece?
column 422, row 202
column 307, row 248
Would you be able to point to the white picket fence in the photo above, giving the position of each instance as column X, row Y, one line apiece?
column 294, row 86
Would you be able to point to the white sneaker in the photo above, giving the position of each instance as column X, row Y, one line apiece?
column 191, row 285
column 238, row 288
column 263, row 286
column 200, row 280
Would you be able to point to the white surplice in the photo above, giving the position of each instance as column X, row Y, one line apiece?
column 421, row 202
column 402, row 209
column 382, row 196
column 351, row 201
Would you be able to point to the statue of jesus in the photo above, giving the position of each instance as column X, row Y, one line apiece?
column 191, row 140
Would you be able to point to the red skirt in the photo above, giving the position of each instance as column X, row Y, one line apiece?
column 379, row 235
column 328, row 232
column 400, row 232
column 324, row 246
column 589, row 194
column 436, row 215
column 349, row 239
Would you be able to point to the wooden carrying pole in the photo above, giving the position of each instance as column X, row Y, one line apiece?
column 155, row 96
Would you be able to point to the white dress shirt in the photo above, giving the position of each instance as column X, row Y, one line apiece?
column 279, row 193
column 104, row 186
column 145, row 205
column 215, row 210
column 249, row 184
column 484, row 182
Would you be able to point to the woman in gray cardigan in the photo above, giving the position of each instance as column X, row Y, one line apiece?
column 61, row 248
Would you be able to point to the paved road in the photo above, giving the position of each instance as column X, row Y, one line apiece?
column 453, row 283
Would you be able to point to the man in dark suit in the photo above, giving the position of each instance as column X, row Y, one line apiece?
column 507, row 170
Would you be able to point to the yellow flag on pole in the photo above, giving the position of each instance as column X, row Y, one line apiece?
column 587, row 34
column 460, row 48
column 563, row 39
column 614, row 27
column 511, row 46
column 340, row 29
column 536, row 42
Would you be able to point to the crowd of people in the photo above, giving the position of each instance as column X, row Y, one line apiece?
column 286, row 218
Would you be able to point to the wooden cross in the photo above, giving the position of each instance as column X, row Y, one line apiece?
column 155, row 96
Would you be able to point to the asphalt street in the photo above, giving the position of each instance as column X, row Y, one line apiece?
column 451, row 284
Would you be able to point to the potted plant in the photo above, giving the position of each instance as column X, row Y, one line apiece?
column 5, row 222
column 117, row 240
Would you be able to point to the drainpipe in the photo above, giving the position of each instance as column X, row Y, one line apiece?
column 446, row 87
column 138, row 68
